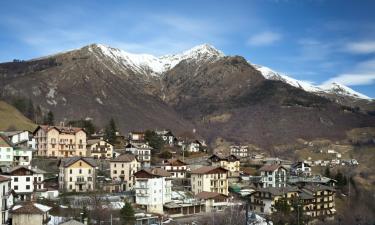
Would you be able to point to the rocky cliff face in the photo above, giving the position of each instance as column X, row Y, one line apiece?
column 202, row 89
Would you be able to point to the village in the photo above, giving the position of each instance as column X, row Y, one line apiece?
column 63, row 175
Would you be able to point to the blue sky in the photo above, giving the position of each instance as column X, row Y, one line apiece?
column 314, row 40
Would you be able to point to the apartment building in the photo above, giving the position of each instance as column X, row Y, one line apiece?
column 60, row 141
column 229, row 162
column 4, row 199
column 273, row 175
column 100, row 149
column 176, row 167
column 142, row 152
column 209, row 179
column 26, row 181
column 153, row 189
column 122, row 170
column 318, row 200
column 77, row 174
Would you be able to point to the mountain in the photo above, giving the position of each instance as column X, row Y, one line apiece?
column 200, row 89
column 12, row 119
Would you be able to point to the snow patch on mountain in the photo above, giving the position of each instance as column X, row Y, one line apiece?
column 333, row 88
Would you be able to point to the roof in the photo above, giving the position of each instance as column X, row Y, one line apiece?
column 60, row 129
column 277, row 191
column 152, row 173
column 209, row 170
column 5, row 142
column 221, row 157
column 12, row 133
column 72, row 222
column 175, row 162
column 66, row 162
column 30, row 208
column 270, row 167
column 139, row 145
column 124, row 158
column 298, row 164
column 3, row 178
column 317, row 187
column 34, row 170
column 210, row 195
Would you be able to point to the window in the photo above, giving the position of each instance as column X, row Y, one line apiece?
column 80, row 171
column 80, row 163
column 15, row 187
column 16, row 179
column 89, row 171
column 27, row 187
column 70, row 179
column 70, row 187
column 70, row 171
column 27, row 178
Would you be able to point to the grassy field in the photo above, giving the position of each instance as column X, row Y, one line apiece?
column 11, row 118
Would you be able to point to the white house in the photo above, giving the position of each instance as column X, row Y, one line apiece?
column 273, row 175
column 301, row 168
column 153, row 188
column 195, row 146
column 142, row 151
column 167, row 136
column 240, row 151
column 4, row 199
column 22, row 156
column 176, row 167
column 26, row 181
column 23, row 138
column 6, row 151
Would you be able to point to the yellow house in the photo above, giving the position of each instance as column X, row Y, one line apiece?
column 209, row 179
column 122, row 170
column 229, row 162
column 77, row 174
column 58, row 141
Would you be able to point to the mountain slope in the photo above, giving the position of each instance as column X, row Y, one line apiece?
column 12, row 119
column 202, row 89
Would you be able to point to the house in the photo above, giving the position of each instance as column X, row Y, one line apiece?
column 122, row 170
column 99, row 149
column 311, row 180
column 213, row 201
column 136, row 136
column 183, row 204
column 241, row 151
column 273, row 175
column 142, row 152
column 60, row 141
column 176, row 167
column 167, row 137
column 301, row 168
column 26, row 181
column 4, row 198
column 77, row 174
column 21, row 138
column 30, row 213
column 263, row 199
column 196, row 146
column 153, row 188
column 22, row 156
column 6, row 151
column 318, row 200
column 209, row 179
column 229, row 162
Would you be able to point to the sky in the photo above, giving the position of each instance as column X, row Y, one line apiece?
column 319, row 41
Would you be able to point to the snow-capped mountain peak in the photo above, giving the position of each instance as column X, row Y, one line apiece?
column 146, row 63
column 332, row 88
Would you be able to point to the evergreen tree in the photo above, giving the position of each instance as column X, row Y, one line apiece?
column 110, row 132
column 49, row 119
column 127, row 214
column 154, row 140
column 38, row 115
column 86, row 124
column 327, row 172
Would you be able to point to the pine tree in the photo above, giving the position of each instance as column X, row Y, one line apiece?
column 127, row 214
column 327, row 172
column 38, row 116
column 49, row 119
column 30, row 113
column 110, row 132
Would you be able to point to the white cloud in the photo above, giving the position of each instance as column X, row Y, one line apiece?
column 362, row 74
column 264, row 38
column 365, row 47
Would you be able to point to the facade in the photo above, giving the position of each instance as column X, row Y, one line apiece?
column 230, row 162
column 301, row 169
column 176, row 167
column 213, row 201
column 26, row 182
column 77, row 174
column 57, row 141
column 142, row 152
column 6, row 151
column 30, row 213
column 240, row 151
column 22, row 156
column 122, row 170
column 100, row 149
column 136, row 136
column 23, row 138
column 209, row 179
column 273, row 175
column 153, row 189
column 195, row 146
column 263, row 200
column 4, row 199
